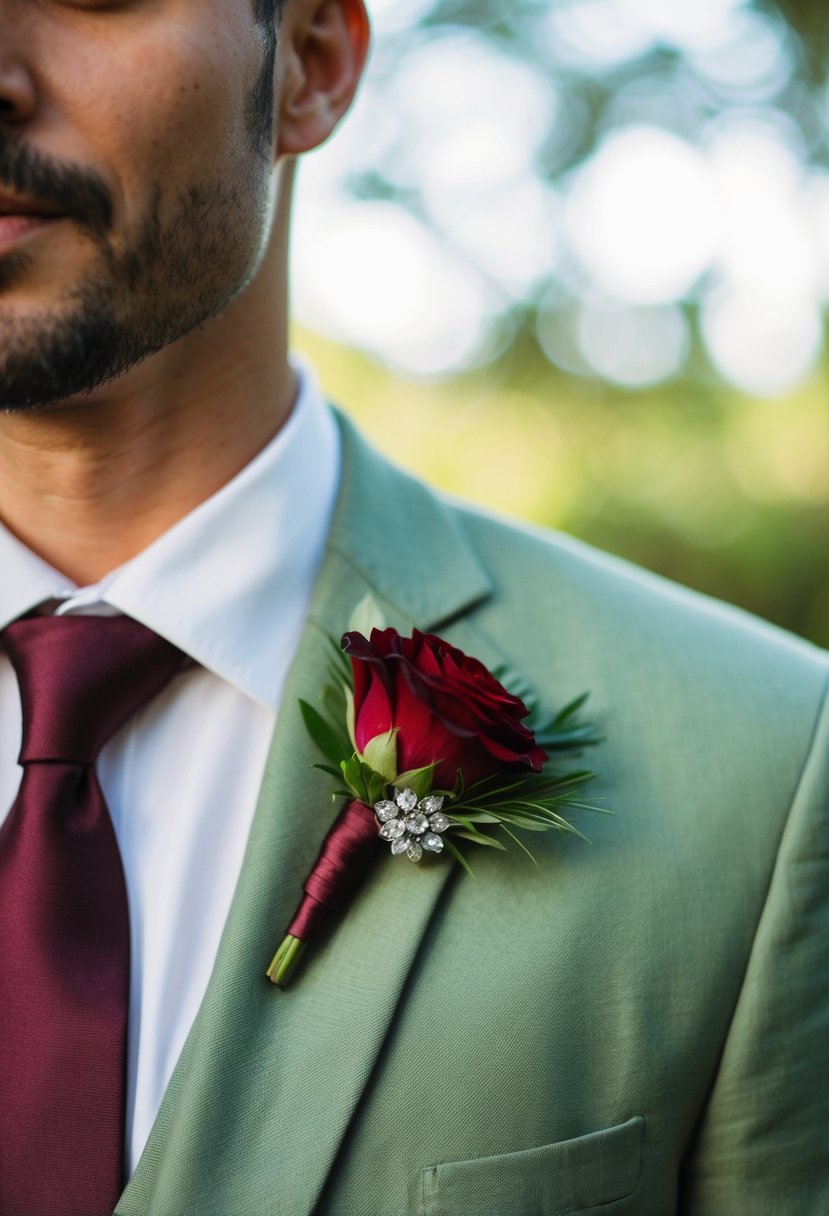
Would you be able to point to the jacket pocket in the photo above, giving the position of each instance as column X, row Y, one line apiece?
column 553, row 1180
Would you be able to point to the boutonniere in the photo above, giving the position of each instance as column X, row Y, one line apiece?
column 432, row 752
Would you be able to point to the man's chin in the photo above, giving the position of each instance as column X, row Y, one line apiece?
column 47, row 360
column 33, row 406
column 30, row 399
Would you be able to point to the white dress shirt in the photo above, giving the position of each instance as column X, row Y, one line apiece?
column 230, row 585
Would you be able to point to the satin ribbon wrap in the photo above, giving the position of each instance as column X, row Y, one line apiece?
column 341, row 865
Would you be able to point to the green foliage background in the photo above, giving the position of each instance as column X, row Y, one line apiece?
column 720, row 492
column 717, row 490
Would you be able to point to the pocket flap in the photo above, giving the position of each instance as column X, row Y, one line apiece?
column 569, row 1176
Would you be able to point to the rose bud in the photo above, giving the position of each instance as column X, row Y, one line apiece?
column 448, row 708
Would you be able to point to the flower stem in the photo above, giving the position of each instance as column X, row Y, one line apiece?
column 284, row 961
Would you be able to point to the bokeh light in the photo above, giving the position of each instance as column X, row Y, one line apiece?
column 642, row 216
column 634, row 347
column 374, row 277
column 764, row 342
column 632, row 157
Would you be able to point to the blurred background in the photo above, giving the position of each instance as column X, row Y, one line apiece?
column 570, row 260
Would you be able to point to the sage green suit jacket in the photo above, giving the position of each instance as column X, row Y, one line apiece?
column 635, row 1026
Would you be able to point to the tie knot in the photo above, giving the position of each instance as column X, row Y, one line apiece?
column 81, row 678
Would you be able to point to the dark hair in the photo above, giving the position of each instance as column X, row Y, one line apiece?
column 261, row 100
column 267, row 11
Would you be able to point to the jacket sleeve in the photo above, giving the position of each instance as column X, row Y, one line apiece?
column 761, row 1145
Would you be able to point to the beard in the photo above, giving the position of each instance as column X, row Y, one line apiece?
column 177, row 273
column 190, row 257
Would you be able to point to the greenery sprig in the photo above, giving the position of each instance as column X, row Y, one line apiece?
column 480, row 813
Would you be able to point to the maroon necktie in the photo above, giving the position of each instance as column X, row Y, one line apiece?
column 64, row 920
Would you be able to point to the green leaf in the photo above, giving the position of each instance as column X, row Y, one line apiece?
column 466, row 821
column 367, row 615
column 337, row 676
column 334, row 707
column 372, row 781
column 486, row 789
column 589, row 806
column 480, row 838
column 352, row 771
column 525, row 822
column 349, row 717
column 340, row 661
column 380, row 754
column 458, row 855
column 326, row 768
column 520, row 843
column 324, row 735
column 570, row 710
column 471, row 816
column 417, row 779
column 333, row 702
column 542, row 809
column 536, row 819
column 565, row 733
column 572, row 740
column 376, row 788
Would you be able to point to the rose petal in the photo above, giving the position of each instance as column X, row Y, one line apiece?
column 420, row 740
column 373, row 713
column 533, row 756
column 449, row 708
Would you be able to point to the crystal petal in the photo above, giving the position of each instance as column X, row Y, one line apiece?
column 432, row 842
column 431, row 804
column 385, row 810
column 439, row 822
column 416, row 824
column 393, row 829
column 400, row 845
column 414, row 850
column 405, row 799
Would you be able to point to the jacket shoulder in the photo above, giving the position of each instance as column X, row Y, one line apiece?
column 564, row 593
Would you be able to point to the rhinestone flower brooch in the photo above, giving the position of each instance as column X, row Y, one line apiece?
column 411, row 826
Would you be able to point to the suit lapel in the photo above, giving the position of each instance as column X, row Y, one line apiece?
column 268, row 1081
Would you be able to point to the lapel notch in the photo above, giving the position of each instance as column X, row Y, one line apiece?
column 403, row 540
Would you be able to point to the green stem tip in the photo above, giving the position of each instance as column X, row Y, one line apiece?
column 284, row 961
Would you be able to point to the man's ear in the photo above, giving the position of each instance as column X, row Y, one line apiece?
column 321, row 53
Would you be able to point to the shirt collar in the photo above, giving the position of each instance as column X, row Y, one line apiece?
column 230, row 583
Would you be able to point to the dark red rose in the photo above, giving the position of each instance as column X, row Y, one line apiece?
column 448, row 708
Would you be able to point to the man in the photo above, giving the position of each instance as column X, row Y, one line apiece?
column 637, row 1027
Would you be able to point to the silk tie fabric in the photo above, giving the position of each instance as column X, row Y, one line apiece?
column 64, row 918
